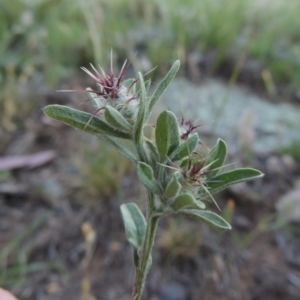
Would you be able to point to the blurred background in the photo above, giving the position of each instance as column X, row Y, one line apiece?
column 61, row 234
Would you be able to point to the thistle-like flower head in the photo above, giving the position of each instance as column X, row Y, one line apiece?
column 109, row 86
column 194, row 177
column 112, row 91
column 196, row 170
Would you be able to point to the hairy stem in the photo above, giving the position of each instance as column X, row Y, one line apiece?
column 145, row 256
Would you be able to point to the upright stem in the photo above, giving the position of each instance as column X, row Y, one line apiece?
column 152, row 221
column 143, row 267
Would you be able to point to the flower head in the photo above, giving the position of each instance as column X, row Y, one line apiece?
column 196, row 171
column 195, row 176
column 109, row 85
column 112, row 91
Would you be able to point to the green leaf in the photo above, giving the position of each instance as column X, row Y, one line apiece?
column 116, row 119
column 185, row 148
column 162, row 86
column 153, row 152
column 146, row 176
column 120, row 147
column 140, row 121
column 135, row 224
column 216, row 158
column 208, row 217
column 147, row 85
column 201, row 204
column 166, row 134
column 186, row 200
column 222, row 181
column 82, row 121
column 184, row 163
column 173, row 186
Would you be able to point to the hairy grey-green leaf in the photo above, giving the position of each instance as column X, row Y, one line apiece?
column 185, row 163
column 224, row 180
column 208, row 217
column 140, row 121
column 153, row 152
column 173, row 187
column 82, row 121
column 120, row 147
column 114, row 118
column 147, row 85
column 162, row 86
column 216, row 158
column 166, row 134
column 201, row 204
column 185, row 148
column 146, row 176
column 186, row 200
column 134, row 223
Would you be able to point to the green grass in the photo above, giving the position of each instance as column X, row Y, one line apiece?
column 43, row 42
column 56, row 36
